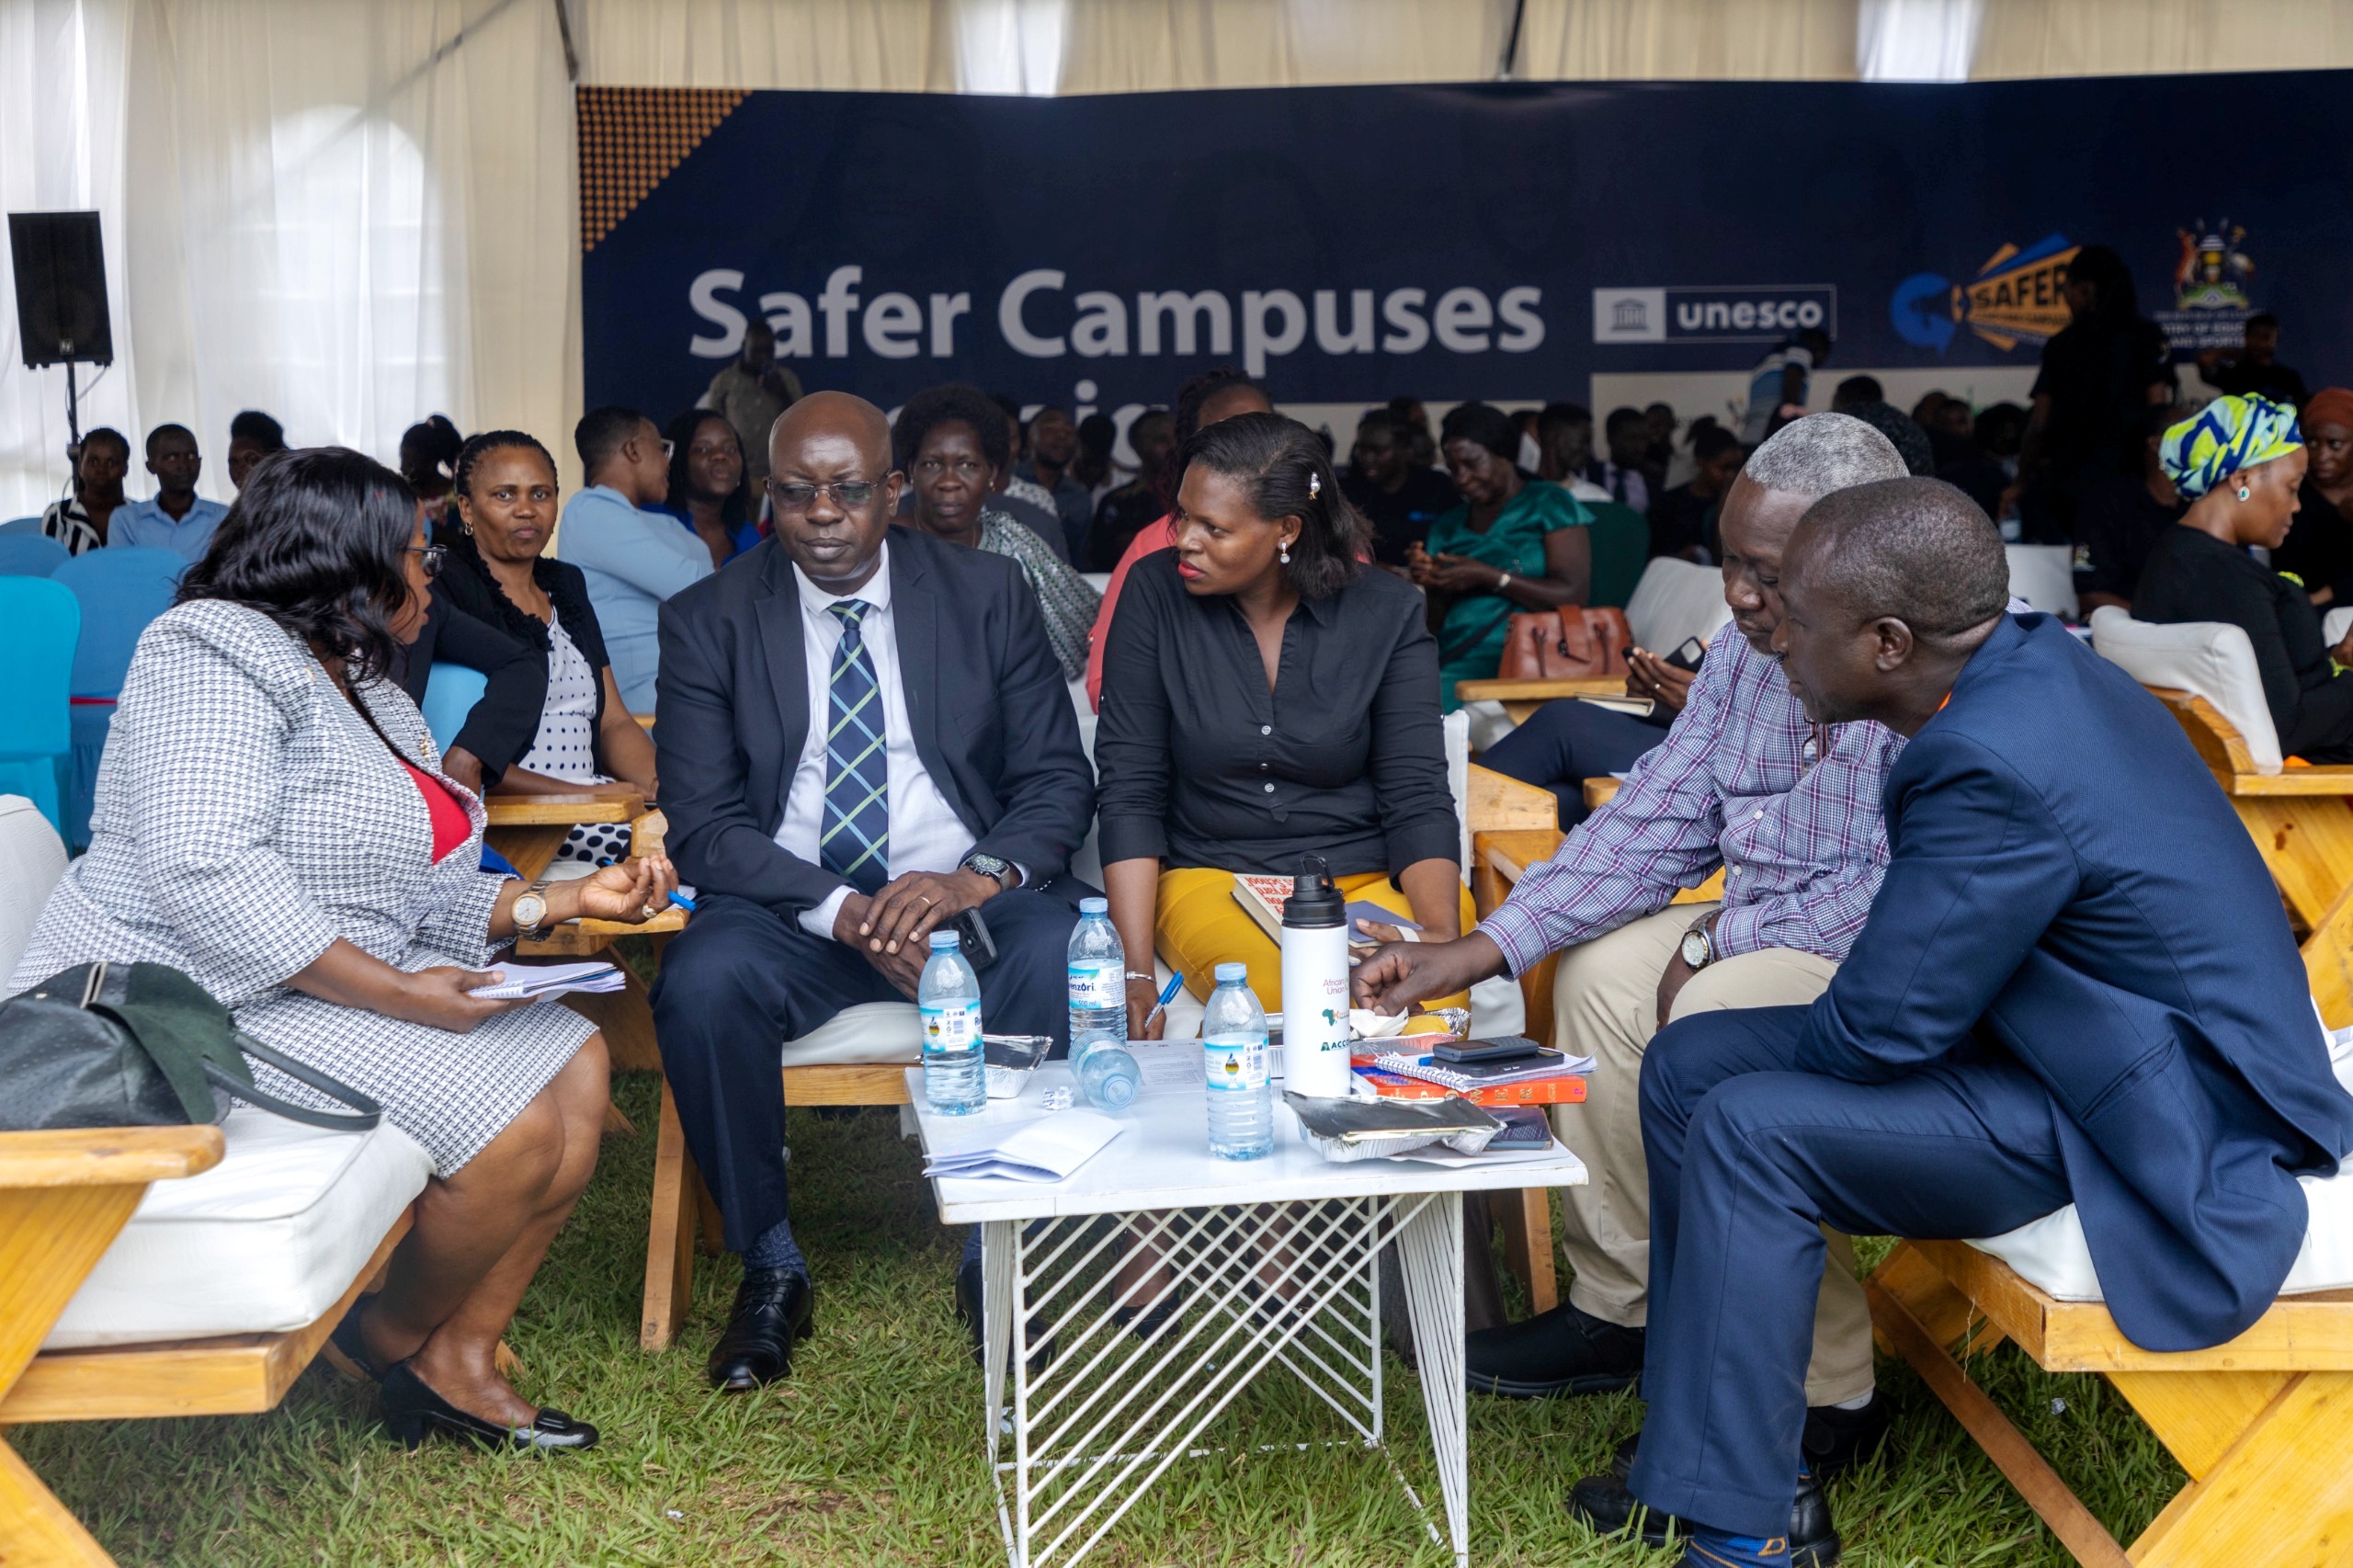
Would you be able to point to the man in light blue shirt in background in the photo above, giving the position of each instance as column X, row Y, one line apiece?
column 175, row 518
column 632, row 558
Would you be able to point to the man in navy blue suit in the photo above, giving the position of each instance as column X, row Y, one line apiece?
column 2075, row 985
column 864, row 733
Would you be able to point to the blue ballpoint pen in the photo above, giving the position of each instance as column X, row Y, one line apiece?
column 681, row 900
column 1167, row 994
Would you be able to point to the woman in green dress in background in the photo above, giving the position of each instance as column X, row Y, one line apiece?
column 1515, row 544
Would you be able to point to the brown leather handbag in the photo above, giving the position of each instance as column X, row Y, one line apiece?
column 1574, row 644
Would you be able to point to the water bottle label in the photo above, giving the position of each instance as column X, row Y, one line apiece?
column 952, row 1026
column 1097, row 985
column 1236, row 1062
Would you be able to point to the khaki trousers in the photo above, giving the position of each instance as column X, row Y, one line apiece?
column 1605, row 1005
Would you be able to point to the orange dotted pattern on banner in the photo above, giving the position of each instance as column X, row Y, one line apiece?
column 630, row 138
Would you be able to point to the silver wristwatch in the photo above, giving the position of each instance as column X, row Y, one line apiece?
column 994, row 867
column 1699, row 947
column 530, row 911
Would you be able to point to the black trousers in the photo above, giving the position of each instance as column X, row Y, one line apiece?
column 1566, row 742
column 740, row 979
column 1748, row 1161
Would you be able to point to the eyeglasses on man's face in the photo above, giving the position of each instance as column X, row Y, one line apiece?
column 795, row 499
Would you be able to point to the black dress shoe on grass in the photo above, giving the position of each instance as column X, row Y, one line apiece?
column 349, row 1352
column 1603, row 1504
column 415, row 1412
column 1561, row 1351
column 774, row 1307
column 1835, row 1440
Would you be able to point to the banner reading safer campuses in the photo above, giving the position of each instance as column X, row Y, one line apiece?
column 1481, row 241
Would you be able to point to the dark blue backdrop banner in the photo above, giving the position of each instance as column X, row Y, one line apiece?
column 1495, row 240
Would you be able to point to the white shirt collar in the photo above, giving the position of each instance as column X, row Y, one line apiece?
column 877, row 591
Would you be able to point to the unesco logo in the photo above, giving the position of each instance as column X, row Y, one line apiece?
column 1732, row 314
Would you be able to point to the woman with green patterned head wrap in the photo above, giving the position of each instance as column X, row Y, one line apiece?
column 2238, row 463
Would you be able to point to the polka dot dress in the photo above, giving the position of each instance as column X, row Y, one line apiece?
column 565, row 746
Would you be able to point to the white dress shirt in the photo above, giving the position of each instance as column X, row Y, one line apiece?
column 925, row 832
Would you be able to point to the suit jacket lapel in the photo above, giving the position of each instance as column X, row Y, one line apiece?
column 915, row 618
column 785, row 647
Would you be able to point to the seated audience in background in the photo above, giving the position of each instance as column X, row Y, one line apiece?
column 503, row 722
column 1683, row 520
column 1515, row 543
column 1790, row 810
column 1097, row 468
column 1219, row 393
column 1929, row 405
column 950, row 443
column 1660, row 423
column 750, row 391
column 79, row 521
column 2120, row 521
column 1127, row 511
column 1564, row 443
column 2239, row 463
column 631, row 557
column 1682, row 465
column 1622, row 474
column 2252, row 369
column 175, row 518
column 270, row 820
column 1421, row 446
column 1053, row 445
column 822, row 869
column 1399, row 500
column 1318, row 733
column 1902, row 432
column 1025, row 500
column 428, row 459
column 253, row 436
column 586, row 735
column 1854, row 390
column 2319, row 549
column 1780, row 383
column 1960, row 459
column 708, row 492
column 2077, row 986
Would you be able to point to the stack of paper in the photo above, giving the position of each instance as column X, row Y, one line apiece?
column 532, row 981
column 1049, row 1149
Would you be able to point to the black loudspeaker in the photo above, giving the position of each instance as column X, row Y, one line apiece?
column 61, row 288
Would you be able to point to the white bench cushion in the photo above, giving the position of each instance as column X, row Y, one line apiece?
column 2044, row 576
column 1676, row 599
column 31, row 859
column 2051, row 1253
column 2206, row 658
column 266, row 1241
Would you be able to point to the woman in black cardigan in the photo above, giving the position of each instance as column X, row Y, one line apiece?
column 505, row 489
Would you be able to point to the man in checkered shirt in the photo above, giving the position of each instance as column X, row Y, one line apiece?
column 1791, row 811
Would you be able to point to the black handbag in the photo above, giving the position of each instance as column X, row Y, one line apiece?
column 141, row 1045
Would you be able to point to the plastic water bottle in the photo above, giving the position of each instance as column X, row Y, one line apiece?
column 949, row 997
column 1106, row 1069
column 1233, row 1046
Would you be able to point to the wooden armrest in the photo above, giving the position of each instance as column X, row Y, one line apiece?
column 587, row 938
column 2330, row 780
column 1496, row 802
column 1509, row 854
column 614, row 803
column 1601, row 791
column 1539, row 690
column 107, row 1156
column 644, row 721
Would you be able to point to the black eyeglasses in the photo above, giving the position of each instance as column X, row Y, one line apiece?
column 849, row 494
column 433, row 555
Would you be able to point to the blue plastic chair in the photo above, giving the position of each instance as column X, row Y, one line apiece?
column 120, row 590
column 31, row 555
column 39, row 625
column 450, row 693
column 21, row 526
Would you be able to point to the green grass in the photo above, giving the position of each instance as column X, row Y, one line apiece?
column 872, row 1453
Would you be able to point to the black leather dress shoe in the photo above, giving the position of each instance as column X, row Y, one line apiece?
column 1602, row 1505
column 970, row 1284
column 350, row 1350
column 415, row 1412
column 774, row 1307
column 1561, row 1351
column 1835, row 1440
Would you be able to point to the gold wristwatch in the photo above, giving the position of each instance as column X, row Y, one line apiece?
column 530, row 911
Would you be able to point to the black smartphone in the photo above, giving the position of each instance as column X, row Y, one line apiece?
column 972, row 935
column 1506, row 1050
column 1689, row 656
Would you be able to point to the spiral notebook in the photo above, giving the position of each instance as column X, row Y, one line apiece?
column 1465, row 1077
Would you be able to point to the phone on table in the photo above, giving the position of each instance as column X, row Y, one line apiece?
column 1510, row 1049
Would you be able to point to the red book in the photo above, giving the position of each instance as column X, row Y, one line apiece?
column 1568, row 1088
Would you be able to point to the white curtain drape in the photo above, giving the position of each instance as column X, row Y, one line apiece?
column 356, row 212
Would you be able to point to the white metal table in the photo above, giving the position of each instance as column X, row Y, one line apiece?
column 1276, row 1260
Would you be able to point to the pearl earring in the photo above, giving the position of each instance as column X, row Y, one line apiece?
column 2244, row 493
column 1285, row 554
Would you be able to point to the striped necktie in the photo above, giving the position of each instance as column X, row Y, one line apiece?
column 855, row 842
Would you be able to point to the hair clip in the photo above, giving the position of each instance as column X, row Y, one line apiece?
column 1315, row 484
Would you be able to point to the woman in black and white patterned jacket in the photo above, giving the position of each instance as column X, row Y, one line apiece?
column 271, row 818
